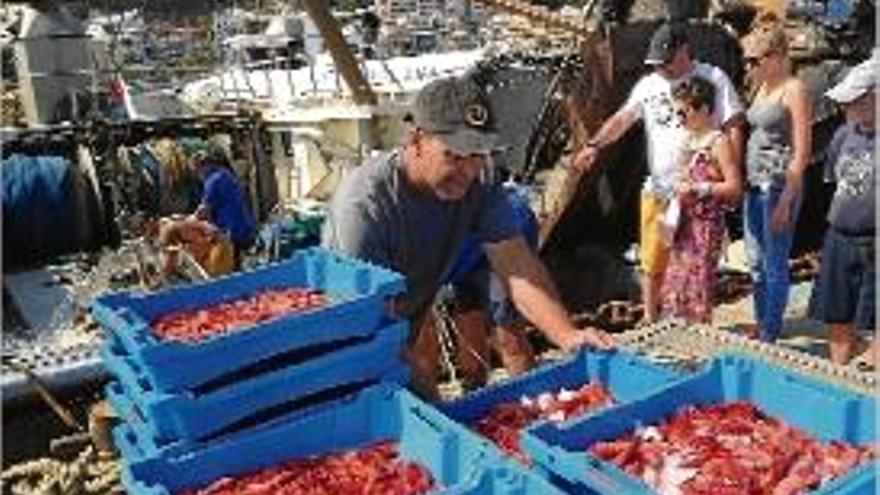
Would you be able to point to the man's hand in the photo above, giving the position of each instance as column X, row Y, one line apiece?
column 586, row 157
column 780, row 220
column 588, row 336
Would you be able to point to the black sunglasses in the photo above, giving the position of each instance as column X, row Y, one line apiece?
column 750, row 61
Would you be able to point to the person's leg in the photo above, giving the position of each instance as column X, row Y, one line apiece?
column 470, row 326
column 866, row 315
column 673, row 303
column 753, row 231
column 874, row 352
column 867, row 289
column 422, row 354
column 840, row 344
column 472, row 349
column 837, row 295
column 704, row 255
column 508, row 337
column 512, row 346
column 653, row 254
column 776, row 268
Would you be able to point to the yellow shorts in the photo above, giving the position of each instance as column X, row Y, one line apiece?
column 652, row 251
column 221, row 258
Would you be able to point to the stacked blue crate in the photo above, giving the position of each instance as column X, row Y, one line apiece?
column 822, row 410
column 358, row 295
column 460, row 462
column 175, row 395
column 187, row 416
column 189, row 408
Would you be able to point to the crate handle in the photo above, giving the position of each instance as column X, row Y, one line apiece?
column 809, row 385
column 109, row 317
column 597, row 477
column 426, row 417
column 582, row 466
column 105, row 316
column 127, row 442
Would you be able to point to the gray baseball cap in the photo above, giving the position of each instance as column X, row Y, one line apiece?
column 457, row 111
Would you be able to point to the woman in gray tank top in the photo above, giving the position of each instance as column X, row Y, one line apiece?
column 777, row 153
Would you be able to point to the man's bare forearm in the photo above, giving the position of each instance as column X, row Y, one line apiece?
column 530, row 287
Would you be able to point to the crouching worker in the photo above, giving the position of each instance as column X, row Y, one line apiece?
column 844, row 294
column 411, row 210
column 224, row 201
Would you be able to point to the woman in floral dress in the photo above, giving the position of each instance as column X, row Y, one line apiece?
column 709, row 182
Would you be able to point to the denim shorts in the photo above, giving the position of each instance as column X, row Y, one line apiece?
column 844, row 292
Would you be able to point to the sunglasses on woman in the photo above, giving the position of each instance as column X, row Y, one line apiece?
column 753, row 61
column 682, row 113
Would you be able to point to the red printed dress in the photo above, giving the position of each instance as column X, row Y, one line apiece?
column 696, row 248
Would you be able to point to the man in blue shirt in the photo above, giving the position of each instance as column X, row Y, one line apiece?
column 224, row 202
column 411, row 210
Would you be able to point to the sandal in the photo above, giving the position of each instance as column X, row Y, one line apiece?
column 748, row 330
column 865, row 367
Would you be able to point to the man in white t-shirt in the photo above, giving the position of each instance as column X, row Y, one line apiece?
column 651, row 101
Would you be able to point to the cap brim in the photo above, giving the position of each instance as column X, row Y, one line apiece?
column 843, row 94
column 860, row 80
column 470, row 142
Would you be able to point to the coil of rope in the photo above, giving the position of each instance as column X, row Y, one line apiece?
column 89, row 473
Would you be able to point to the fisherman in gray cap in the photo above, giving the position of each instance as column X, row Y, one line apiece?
column 410, row 210
column 844, row 294
column 650, row 101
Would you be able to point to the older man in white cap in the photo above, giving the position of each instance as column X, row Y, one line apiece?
column 844, row 293
column 410, row 210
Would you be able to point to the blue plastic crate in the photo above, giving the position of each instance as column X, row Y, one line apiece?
column 358, row 294
column 456, row 458
column 626, row 375
column 822, row 410
column 191, row 415
column 510, row 479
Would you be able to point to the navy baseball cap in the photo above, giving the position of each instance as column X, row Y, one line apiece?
column 666, row 40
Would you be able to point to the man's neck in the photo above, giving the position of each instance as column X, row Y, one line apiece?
column 689, row 67
column 686, row 69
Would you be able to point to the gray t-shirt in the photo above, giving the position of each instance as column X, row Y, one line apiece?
column 849, row 162
column 377, row 215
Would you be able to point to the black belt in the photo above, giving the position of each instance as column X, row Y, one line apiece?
column 849, row 233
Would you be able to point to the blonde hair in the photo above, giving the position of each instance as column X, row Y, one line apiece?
column 766, row 36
